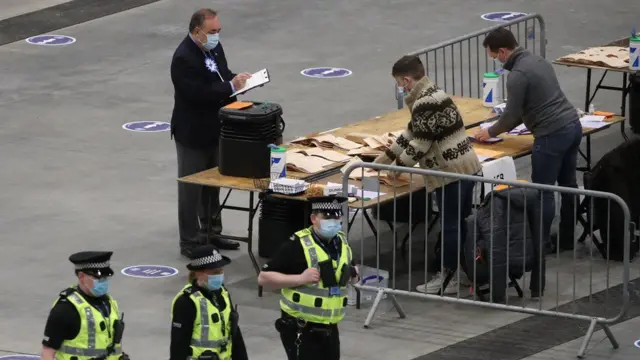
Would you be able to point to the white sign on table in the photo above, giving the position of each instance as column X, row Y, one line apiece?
column 503, row 168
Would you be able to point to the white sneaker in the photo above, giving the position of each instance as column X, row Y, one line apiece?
column 434, row 285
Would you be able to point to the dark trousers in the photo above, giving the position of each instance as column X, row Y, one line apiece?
column 193, row 200
column 455, row 202
column 554, row 158
column 315, row 343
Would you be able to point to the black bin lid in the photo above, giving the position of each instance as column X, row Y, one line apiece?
column 260, row 112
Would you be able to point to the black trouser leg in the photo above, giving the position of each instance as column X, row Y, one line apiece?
column 313, row 344
column 210, row 194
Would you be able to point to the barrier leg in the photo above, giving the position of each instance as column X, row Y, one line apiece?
column 612, row 339
column 374, row 308
column 398, row 307
column 587, row 338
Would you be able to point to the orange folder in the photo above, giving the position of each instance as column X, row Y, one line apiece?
column 239, row 105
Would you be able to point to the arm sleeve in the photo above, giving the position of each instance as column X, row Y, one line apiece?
column 286, row 260
column 238, row 348
column 190, row 84
column 512, row 115
column 182, row 319
column 63, row 324
column 416, row 146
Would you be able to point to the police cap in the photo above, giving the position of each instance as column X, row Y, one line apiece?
column 94, row 263
column 329, row 206
column 207, row 257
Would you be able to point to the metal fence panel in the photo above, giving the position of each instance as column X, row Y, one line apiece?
column 522, row 219
column 458, row 65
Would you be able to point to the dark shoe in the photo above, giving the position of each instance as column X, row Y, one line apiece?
column 224, row 244
column 216, row 226
column 187, row 250
column 566, row 243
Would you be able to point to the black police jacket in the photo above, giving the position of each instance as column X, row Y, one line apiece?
column 200, row 92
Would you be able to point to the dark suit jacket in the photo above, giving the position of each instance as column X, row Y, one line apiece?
column 199, row 94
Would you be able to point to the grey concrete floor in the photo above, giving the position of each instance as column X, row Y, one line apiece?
column 73, row 179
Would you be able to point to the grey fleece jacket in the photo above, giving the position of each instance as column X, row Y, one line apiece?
column 533, row 97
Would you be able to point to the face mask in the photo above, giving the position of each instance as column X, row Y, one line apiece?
column 329, row 228
column 214, row 282
column 100, row 287
column 212, row 41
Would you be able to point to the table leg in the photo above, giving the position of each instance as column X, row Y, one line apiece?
column 209, row 217
column 623, row 109
column 588, row 99
column 373, row 228
column 352, row 220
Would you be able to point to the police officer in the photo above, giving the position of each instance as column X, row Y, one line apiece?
column 85, row 323
column 312, row 271
column 204, row 321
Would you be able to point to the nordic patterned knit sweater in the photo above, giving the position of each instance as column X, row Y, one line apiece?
column 435, row 137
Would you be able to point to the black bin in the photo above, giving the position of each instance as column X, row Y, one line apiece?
column 244, row 138
column 279, row 219
column 634, row 102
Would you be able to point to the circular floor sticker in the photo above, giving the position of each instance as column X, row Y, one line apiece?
column 326, row 72
column 637, row 344
column 503, row 16
column 19, row 357
column 51, row 40
column 149, row 271
column 147, row 126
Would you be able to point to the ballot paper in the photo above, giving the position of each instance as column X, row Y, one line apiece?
column 519, row 130
column 257, row 79
column 593, row 121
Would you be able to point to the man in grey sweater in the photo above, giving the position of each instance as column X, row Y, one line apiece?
column 535, row 99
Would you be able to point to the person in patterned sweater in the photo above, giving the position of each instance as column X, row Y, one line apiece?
column 435, row 139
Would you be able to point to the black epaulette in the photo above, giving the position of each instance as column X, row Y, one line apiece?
column 190, row 290
column 66, row 292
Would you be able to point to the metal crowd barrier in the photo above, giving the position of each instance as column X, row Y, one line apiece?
column 458, row 65
column 568, row 285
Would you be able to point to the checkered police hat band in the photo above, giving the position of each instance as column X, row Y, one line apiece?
column 86, row 266
column 327, row 206
column 207, row 260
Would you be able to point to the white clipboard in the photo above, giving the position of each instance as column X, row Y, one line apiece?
column 256, row 80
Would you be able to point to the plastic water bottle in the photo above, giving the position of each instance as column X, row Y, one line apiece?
column 278, row 162
column 592, row 109
column 634, row 52
column 490, row 88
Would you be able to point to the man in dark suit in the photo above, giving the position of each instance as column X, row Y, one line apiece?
column 203, row 84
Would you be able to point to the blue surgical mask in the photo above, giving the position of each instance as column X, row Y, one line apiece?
column 329, row 228
column 212, row 41
column 214, row 282
column 100, row 287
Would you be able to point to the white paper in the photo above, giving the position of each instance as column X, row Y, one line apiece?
column 359, row 192
column 482, row 158
column 368, row 194
column 257, row 79
column 592, row 118
column 487, row 125
column 593, row 124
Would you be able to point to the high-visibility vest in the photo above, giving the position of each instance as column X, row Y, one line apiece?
column 211, row 327
column 96, row 332
column 313, row 302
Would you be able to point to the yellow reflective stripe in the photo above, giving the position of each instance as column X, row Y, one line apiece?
column 91, row 321
column 307, row 241
column 307, row 310
column 205, row 323
column 70, row 350
column 316, row 291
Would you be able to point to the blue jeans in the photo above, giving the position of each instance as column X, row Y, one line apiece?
column 454, row 209
column 554, row 158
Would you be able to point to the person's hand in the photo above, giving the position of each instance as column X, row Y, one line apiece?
column 482, row 135
column 310, row 276
column 240, row 80
column 355, row 275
